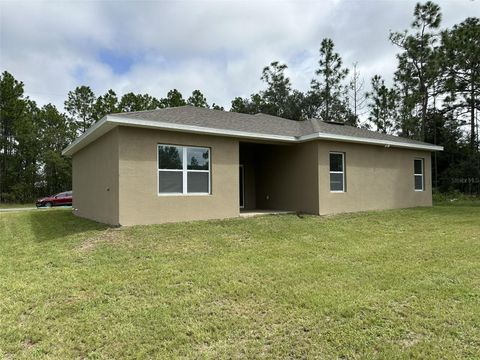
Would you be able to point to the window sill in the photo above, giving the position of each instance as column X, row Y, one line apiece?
column 337, row 192
column 184, row 195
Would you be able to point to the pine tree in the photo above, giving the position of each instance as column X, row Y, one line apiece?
column 327, row 92
column 382, row 105
column 80, row 105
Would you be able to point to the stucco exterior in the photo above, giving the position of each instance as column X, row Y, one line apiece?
column 95, row 179
column 138, row 191
column 377, row 178
column 115, row 178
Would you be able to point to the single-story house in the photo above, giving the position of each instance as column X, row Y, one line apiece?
column 189, row 163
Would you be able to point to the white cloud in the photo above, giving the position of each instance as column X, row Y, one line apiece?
column 219, row 47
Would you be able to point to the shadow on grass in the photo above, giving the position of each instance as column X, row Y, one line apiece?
column 53, row 224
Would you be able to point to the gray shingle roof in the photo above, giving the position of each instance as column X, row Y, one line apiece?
column 259, row 123
column 218, row 119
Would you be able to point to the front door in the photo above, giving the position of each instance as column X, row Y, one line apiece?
column 242, row 187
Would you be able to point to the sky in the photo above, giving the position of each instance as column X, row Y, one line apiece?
column 219, row 47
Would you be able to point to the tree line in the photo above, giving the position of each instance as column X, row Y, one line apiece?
column 434, row 97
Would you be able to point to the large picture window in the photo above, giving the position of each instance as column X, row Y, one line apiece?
column 183, row 170
column 418, row 174
column 337, row 172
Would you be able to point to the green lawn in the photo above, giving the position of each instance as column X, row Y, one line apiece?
column 392, row 284
column 14, row 206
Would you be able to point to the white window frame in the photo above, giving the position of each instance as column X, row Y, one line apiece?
column 185, row 172
column 337, row 172
column 422, row 175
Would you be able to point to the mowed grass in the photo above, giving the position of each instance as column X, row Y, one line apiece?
column 392, row 284
column 15, row 206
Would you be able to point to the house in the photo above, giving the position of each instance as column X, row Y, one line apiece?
column 189, row 163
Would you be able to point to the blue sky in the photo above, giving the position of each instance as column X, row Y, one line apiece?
column 119, row 63
column 219, row 47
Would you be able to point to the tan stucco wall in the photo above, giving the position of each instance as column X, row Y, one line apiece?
column 115, row 178
column 287, row 178
column 376, row 178
column 95, row 180
column 139, row 201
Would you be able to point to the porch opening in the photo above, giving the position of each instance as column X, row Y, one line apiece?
column 264, row 183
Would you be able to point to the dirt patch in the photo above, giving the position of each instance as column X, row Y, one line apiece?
column 29, row 343
column 111, row 235
column 411, row 340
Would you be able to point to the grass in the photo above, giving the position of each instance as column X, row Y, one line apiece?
column 14, row 206
column 456, row 198
column 392, row 284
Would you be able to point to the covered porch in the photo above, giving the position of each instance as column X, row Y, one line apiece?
column 278, row 178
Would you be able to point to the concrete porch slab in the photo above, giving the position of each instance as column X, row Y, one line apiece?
column 258, row 212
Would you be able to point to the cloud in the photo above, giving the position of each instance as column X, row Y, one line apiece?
column 219, row 47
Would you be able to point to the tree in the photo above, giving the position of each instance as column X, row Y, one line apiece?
column 382, row 105
column 55, row 133
column 80, row 105
column 461, row 59
column 356, row 97
column 253, row 106
column 327, row 92
column 106, row 104
column 294, row 108
column 19, row 149
column 197, row 99
column 138, row 102
column 174, row 99
column 217, row 107
column 418, row 62
column 26, row 154
column 277, row 99
column 12, row 106
column 275, row 96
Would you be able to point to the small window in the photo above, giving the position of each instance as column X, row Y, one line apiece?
column 183, row 170
column 337, row 172
column 418, row 174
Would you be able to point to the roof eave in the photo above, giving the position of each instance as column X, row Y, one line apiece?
column 360, row 140
column 110, row 121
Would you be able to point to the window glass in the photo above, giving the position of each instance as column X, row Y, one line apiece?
column 336, row 182
column 197, row 182
column 337, row 173
column 170, row 182
column 418, row 166
column 170, row 157
column 336, row 162
column 418, row 182
column 176, row 176
column 418, row 174
column 197, row 158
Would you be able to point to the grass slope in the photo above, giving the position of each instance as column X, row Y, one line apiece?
column 392, row 284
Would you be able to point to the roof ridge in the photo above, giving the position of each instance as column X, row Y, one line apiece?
column 152, row 110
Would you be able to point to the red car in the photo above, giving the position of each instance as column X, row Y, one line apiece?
column 61, row 199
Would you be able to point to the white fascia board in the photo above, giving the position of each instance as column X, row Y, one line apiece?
column 93, row 133
column 355, row 139
column 110, row 121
